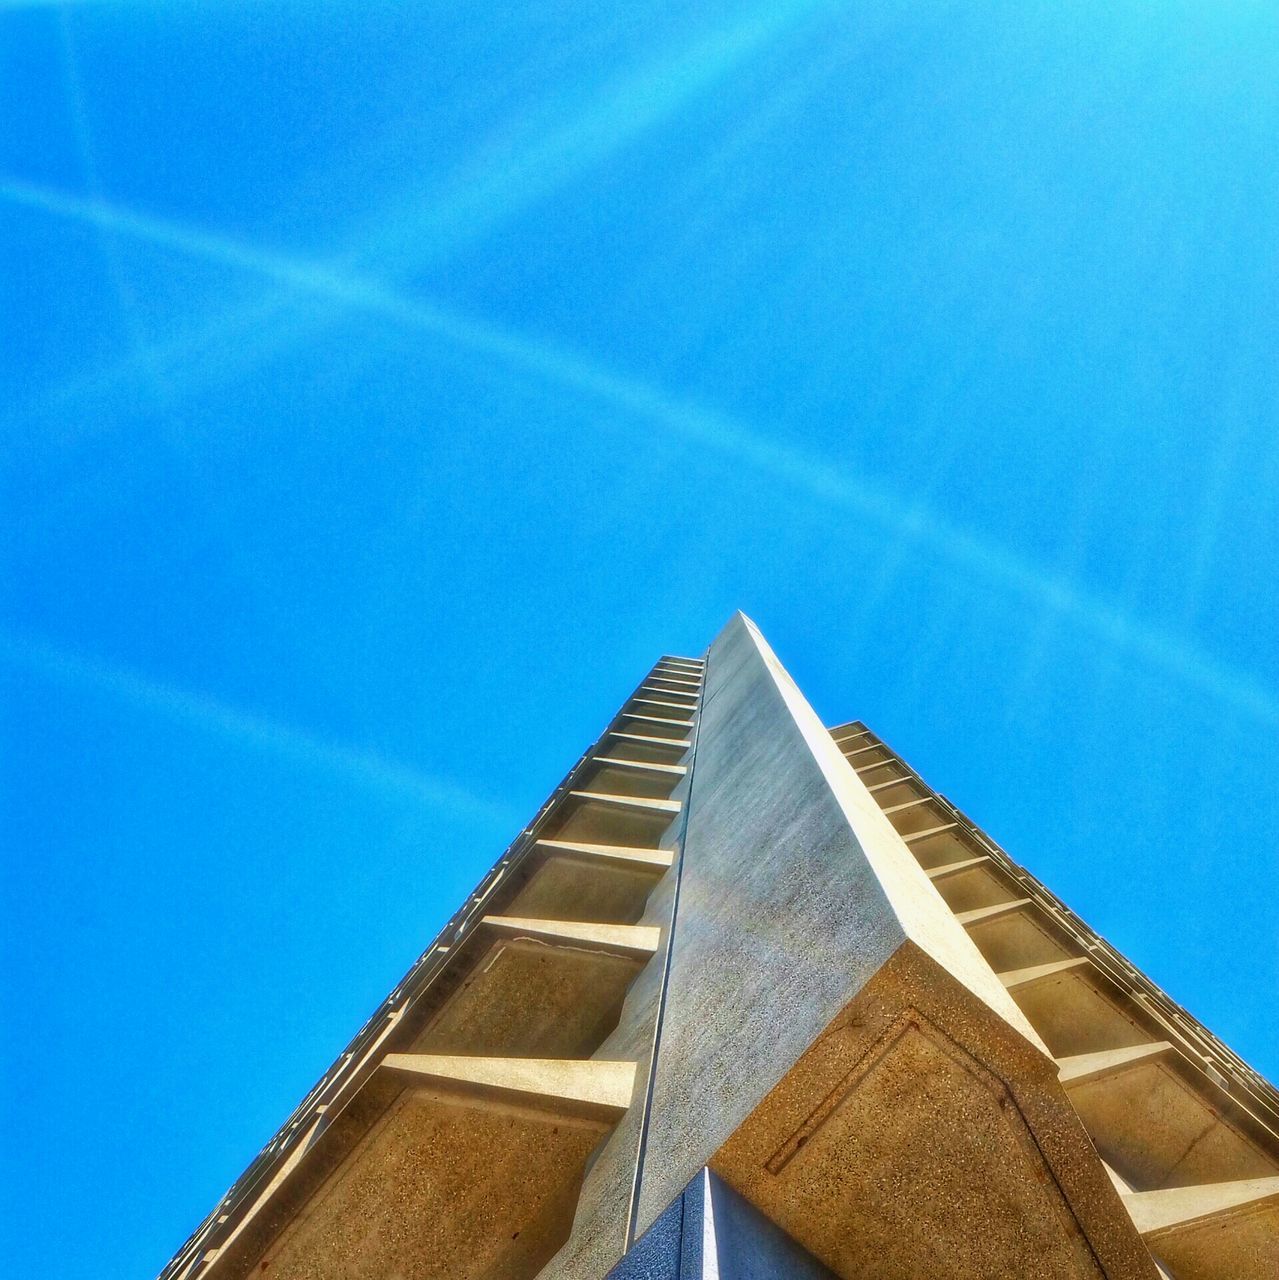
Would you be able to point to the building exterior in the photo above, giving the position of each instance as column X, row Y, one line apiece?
column 747, row 999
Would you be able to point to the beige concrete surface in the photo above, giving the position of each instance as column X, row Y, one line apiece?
column 842, row 997
column 444, row 1187
column 552, row 1080
column 531, row 998
column 639, row 940
column 920, row 1136
column 658, row 858
column 1220, row 1231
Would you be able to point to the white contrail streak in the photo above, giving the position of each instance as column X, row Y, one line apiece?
column 509, row 174
column 513, row 168
column 51, row 662
column 913, row 524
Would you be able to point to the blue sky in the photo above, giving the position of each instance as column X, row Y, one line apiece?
column 385, row 386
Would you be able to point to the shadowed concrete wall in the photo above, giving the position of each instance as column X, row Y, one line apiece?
column 794, row 892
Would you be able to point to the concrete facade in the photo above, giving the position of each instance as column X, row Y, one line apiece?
column 748, row 999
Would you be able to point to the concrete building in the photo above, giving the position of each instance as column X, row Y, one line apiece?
column 747, row 999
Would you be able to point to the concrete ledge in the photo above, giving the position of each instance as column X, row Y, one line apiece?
column 1036, row 972
column 912, row 836
column 648, row 740
column 642, row 766
column 949, row 868
column 1094, row 1066
column 647, row 719
column 657, row 858
column 648, row 804
column 1156, row 1211
column 630, row 939
column 608, row 1085
column 843, row 736
column 671, row 693
column 967, row 918
column 907, row 804
column 660, row 704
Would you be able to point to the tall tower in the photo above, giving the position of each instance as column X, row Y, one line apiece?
column 748, row 999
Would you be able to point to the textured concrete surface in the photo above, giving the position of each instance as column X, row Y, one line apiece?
column 532, row 1000
column 610, row 893
column 1221, row 1231
column 847, row 1035
column 442, row 1189
column 541, row 1081
column 598, row 1238
column 783, row 847
column 920, row 1135
column 1156, row 1131
column 977, row 885
column 1075, row 1012
column 596, row 817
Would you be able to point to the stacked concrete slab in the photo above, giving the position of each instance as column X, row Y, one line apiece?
column 748, row 999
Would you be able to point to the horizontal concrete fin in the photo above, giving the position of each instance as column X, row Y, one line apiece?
column 635, row 938
column 628, row 802
column 600, row 1084
column 658, row 858
column 908, row 804
column 649, row 740
column 1153, row 1211
column 668, row 694
column 643, row 766
column 912, row 836
column 1091, row 1066
column 992, row 913
column 848, row 732
column 662, row 705
column 949, row 869
column 883, row 786
column 1035, row 972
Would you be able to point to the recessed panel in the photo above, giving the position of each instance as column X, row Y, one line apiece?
column 528, row 999
column 583, row 888
column 916, row 1165
column 1243, row 1245
column 1156, row 1132
column 600, row 822
column 442, row 1189
column 1016, row 941
column 1072, row 1016
column 623, row 780
column 943, row 848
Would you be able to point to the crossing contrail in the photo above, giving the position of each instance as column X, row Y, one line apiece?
column 912, row 524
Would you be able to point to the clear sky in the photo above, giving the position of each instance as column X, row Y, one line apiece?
column 386, row 386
